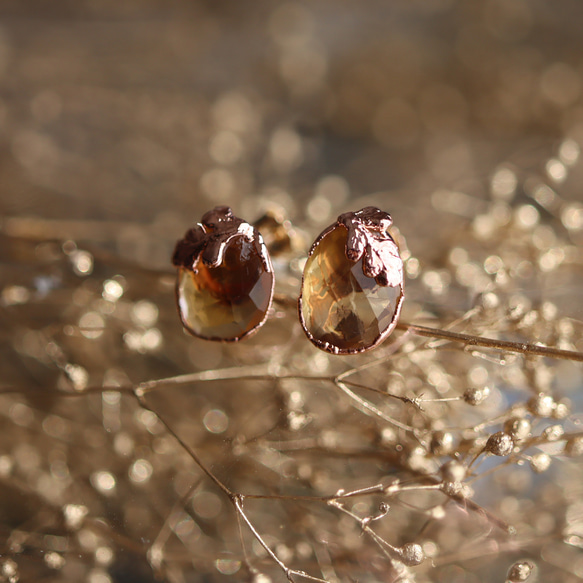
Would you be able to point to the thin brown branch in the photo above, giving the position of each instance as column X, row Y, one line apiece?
column 507, row 345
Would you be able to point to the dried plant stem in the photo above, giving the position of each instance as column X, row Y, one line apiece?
column 166, row 530
column 369, row 409
column 290, row 573
column 260, row 372
column 235, row 498
column 470, row 340
column 346, row 386
column 184, row 445
column 390, row 551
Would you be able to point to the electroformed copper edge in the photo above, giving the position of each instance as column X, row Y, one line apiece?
column 326, row 346
column 216, row 242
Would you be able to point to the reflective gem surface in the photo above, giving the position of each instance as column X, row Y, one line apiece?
column 343, row 310
column 228, row 301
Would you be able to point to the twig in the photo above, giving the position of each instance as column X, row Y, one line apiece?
column 470, row 340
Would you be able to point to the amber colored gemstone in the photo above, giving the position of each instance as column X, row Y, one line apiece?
column 342, row 310
column 230, row 300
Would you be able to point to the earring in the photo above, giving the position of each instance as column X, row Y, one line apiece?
column 225, row 277
column 352, row 288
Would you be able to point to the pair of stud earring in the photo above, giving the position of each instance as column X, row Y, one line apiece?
column 352, row 287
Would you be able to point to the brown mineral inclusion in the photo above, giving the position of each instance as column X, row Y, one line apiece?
column 229, row 301
column 343, row 310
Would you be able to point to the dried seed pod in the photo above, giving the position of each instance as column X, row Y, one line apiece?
column 500, row 444
column 519, row 428
column 474, row 396
column 453, row 489
column 520, row 571
column 574, row 446
column 412, row 554
column 562, row 409
column 542, row 405
column 553, row 433
column 441, row 443
column 453, row 471
column 540, row 462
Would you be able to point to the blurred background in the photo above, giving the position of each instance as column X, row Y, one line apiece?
column 121, row 123
column 136, row 117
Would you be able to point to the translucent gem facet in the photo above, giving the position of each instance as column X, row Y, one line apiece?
column 225, row 278
column 342, row 309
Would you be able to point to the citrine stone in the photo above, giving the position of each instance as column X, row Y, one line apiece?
column 342, row 310
column 229, row 301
